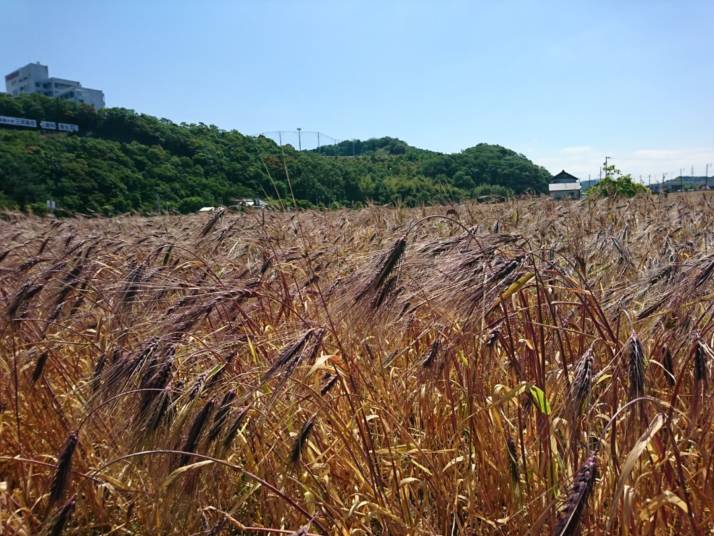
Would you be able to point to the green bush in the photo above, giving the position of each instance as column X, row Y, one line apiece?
column 622, row 186
column 6, row 202
column 491, row 191
column 38, row 209
column 192, row 204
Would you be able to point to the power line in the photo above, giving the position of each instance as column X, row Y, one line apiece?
column 301, row 138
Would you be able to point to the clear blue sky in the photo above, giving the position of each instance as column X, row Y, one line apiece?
column 564, row 82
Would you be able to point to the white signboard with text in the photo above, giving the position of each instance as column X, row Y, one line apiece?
column 31, row 123
column 17, row 121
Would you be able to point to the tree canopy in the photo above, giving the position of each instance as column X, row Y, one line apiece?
column 125, row 161
column 615, row 184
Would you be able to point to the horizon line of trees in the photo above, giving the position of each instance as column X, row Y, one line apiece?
column 123, row 161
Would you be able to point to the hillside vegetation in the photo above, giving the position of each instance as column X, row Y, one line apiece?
column 529, row 367
column 124, row 161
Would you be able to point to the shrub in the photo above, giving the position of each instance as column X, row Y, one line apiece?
column 38, row 209
column 491, row 191
column 6, row 202
column 619, row 187
column 192, row 204
column 615, row 184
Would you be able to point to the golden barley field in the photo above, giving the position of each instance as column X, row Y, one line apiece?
column 524, row 367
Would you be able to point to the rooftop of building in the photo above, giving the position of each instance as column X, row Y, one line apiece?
column 563, row 177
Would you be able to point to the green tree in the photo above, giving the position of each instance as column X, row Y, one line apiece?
column 123, row 161
column 615, row 184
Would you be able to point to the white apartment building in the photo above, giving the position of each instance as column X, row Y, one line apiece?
column 34, row 78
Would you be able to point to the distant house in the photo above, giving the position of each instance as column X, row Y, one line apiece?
column 250, row 202
column 564, row 186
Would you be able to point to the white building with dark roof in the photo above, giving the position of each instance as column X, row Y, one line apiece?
column 34, row 78
column 564, row 186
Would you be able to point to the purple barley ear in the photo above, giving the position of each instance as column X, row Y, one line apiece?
column 582, row 383
column 289, row 356
column 221, row 415
column 194, row 433
column 69, row 281
column 210, row 224
column 328, row 383
column 668, row 363
column 512, row 458
column 21, row 299
column 98, row 369
column 63, row 473
column 384, row 292
column 576, row 502
column 156, row 376
column 310, row 354
column 162, row 411
column 39, row 366
column 132, row 283
column 636, row 366
column 432, row 355
column 233, row 430
column 700, row 362
column 301, row 440
column 386, row 267
column 60, row 520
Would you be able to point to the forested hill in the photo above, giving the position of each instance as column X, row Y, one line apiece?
column 123, row 161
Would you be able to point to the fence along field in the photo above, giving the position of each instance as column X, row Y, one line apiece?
column 494, row 369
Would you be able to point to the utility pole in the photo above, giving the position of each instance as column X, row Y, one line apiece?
column 280, row 138
column 706, row 176
column 606, row 159
column 318, row 140
column 299, row 138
